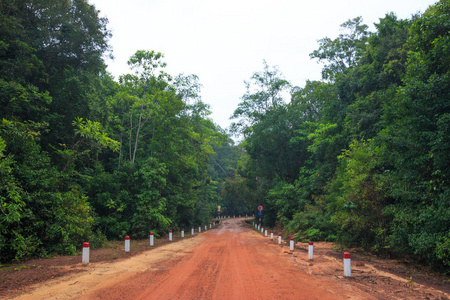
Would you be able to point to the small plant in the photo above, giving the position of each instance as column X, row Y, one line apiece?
column 338, row 247
column 410, row 280
column 20, row 268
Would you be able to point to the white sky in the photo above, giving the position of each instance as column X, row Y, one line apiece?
column 225, row 42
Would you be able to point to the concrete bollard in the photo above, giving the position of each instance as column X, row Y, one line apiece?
column 170, row 235
column 85, row 255
column 262, row 229
column 151, row 239
column 347, row 265
column 199, row 228
column 192, row 231
column 210, row 225
column 279, row 239
column 265, row 232
column 292, row 244
column 206, row 227
column 182, row 232
column 310, row 250
column 271, row 235
column 127, row 244
column 253, row 223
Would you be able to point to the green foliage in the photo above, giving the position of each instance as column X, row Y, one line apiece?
column 93, row 130
column 35, row 219
column 362, row 159
column 345, row 51
column 122, row 157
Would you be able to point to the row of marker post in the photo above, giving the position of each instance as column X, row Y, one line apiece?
column 85, row 253
column 347, row 262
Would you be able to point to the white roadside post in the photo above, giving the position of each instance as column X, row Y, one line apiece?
column 210, row 225
column 271, row 235
column 206, row 227
column 127, row 244
column 265, row 232
column 347, row 265
column 199, row 228
column 279, row 239
column 85, row 255
column 262, row 229
column 292, row 244
column 182, row 232
column 170, row 235
column 151, row 239
column 192, row 230
column 310, row 250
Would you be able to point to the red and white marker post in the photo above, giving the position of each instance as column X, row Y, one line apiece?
column 192, row 230
column 262, row 229
column 206, row 227
column 310, row 250
column 151, row 239
column 170, row 235
column 347, row 265
column 271, row 235
column 199, row 228
column 85, row 255
column 279, row 239
column 127, row 244
column 265, row 232
column 292, row 244
column 210, row 225
column 182, row 232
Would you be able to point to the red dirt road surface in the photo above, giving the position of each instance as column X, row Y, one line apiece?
column 230, row 262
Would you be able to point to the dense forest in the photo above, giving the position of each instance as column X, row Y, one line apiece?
column 86, row 158
column 361, row 157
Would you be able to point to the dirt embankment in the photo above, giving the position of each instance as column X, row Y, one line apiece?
column 233, row 262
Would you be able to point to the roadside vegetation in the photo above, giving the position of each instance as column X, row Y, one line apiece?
column 361, row 157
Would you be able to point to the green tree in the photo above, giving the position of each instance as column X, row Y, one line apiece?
column 264, row 92
column 344, row 52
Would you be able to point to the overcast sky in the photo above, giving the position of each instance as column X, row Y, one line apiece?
column 225, row 42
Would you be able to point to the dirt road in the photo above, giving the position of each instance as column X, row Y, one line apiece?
column 229, row 262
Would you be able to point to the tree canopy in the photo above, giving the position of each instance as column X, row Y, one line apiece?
column 361, row 157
